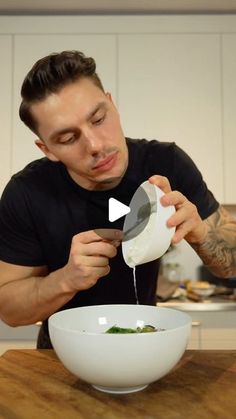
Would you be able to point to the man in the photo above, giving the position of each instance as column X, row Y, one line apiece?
column 52, row 254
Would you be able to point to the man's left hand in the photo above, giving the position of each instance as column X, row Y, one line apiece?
column 186, row 220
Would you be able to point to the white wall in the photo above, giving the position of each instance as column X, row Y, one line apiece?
column 5, row 108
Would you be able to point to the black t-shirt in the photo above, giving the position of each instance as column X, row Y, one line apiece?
column 42, row 208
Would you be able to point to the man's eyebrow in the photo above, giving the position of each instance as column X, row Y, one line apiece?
column 59, row 132
column 99, row 106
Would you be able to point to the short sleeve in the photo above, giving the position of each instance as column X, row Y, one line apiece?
column 190, row 182
column 19, row 243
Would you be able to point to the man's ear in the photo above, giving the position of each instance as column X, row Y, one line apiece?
column 42, row 146
column 108, row 95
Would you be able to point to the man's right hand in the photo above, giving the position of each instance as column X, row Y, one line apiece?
column 29, row 293
column 89, row 258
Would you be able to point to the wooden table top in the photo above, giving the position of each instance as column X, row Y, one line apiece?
column 35, row 385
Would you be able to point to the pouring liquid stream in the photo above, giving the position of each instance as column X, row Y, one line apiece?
column 135, row 285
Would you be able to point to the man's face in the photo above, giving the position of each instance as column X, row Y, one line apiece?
column 80, row 127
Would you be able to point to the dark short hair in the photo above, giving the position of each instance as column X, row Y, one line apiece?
column 49, row 75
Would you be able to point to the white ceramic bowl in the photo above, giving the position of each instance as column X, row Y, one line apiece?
column 119, row 363
column 154, row 239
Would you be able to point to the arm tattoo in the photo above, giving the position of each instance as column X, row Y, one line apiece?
column 218, row 252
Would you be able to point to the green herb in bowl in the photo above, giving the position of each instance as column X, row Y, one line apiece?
column 146, row 329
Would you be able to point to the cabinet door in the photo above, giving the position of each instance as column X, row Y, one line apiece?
column 170, row 89
column 7, row 333
column 229, row 116
column 5, row 108
column 217, row 329
column 30, row 48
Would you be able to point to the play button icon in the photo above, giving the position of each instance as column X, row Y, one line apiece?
column 116, row 209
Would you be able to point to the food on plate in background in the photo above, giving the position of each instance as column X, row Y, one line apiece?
column 201, row 288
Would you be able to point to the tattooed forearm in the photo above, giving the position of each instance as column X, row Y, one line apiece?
column 218, row 252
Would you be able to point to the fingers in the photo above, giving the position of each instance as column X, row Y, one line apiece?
column 162, row 182
column 174, row 198
column 96, row 261
column 182, row 231
column 98, row 235
column 109, row 234
column 116, row 243
column 89, row 258
column 101, row 248
column 186, row 219
column 83, row 244
column 178, row 200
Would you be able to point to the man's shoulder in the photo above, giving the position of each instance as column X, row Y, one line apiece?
column 144, row 144
column 38, row 172
column 40, row 167
column 150, row 151
column 38, row 175
column 35, row 183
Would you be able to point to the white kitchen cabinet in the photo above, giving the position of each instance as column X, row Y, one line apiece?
column 5, row 108
column 229, row 115
column 17, row 337
column 170, row 89
column 173, row 78
column 29, row 332
column 213, row 330
column 27, row 50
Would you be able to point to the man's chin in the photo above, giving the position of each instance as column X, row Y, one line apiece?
column 108, row 183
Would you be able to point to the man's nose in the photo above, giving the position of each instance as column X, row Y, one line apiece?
column 92, row 142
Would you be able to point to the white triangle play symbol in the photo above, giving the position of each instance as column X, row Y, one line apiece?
column 116, row 209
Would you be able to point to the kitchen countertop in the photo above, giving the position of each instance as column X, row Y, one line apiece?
column 210, row 304
column 34, row 384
